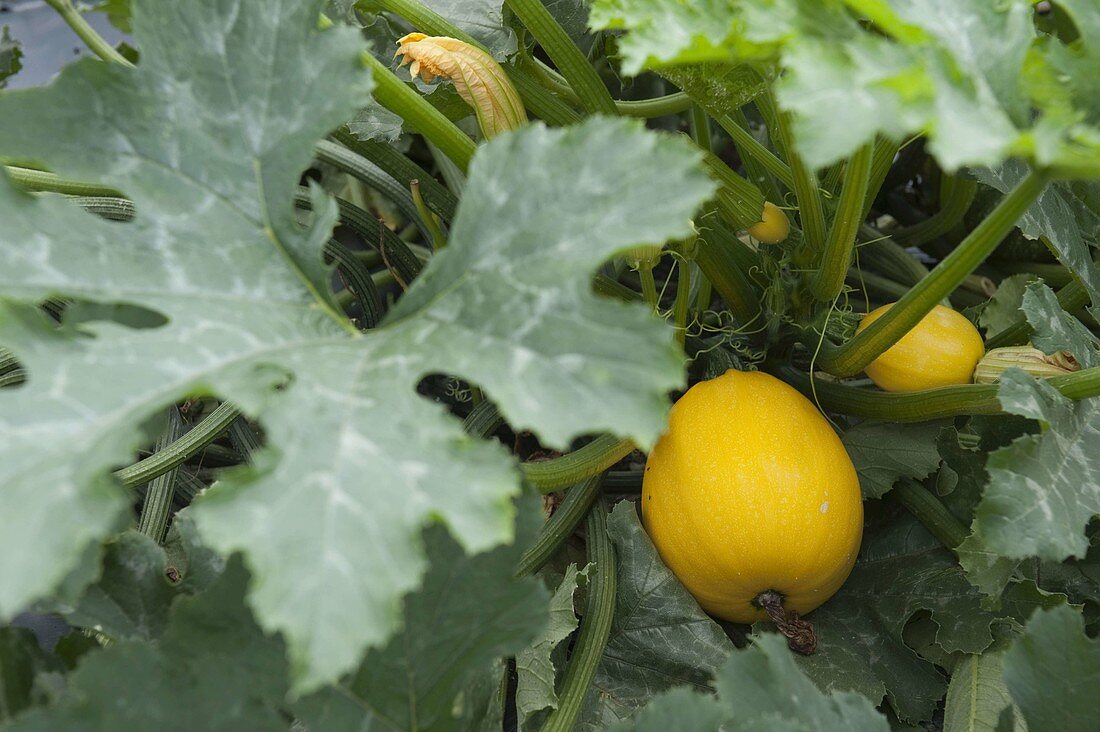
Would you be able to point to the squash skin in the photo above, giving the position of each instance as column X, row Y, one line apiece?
column 773, row 228
column 750, row 490
column 941, row 350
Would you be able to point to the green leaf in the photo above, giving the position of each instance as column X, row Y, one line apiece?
column 659, row 636
column 482, row 19
column 21, row 660
column 761, row 688
column 132, row 597
column 1003, row 309
column 902, row 571
column 977, row 695
column 1053, row 672
column 1059, row 216
column 1043, row 489
column 884, row 452
column 11, row 55
column 1057, row 330
column 329, row 517
column 719, row 88
column 469, row 613
column 213, row 661
column 536, row 675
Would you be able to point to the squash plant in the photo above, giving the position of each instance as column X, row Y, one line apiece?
column 292, row 339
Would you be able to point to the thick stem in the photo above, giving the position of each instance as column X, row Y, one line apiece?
column 928, row 509
column 716, row 254
column 750, row 147
column 799, row 633
column 573, row 467
column 435, row 234
column 38, row 180
column 357, row 277
column 560, row 526
column 595, row 626
column 885, row 152
column 806, row 191
column 683, row 299
column 829, row 278
column 871, row 342
column 158, row 497
column 168, row 457
column 87, row 33
column 401, row 99
column 740, row 203
column 573, row 65
column 649, row 286
column 674, row 103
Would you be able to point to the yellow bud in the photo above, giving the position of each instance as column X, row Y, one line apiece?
column 1032, row 360
column 773, row 226
column 477, row 77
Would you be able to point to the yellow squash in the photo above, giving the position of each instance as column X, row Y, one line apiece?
column 750, row 490
column 942, row 349
column 773, row 227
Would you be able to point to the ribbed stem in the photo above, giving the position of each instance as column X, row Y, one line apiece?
column 573, row 467
column 435, row 236
column 404, row 171
column 572, row 64
column 956, row 196
column 644, row 108
column 12, row 378
column 560, row 526
column 929, row 404
column 362, row 169
column 928, row 509
column 750, row 147
column 835, row 260
column 357, row 277
column 243, row 438
column 158, row 498
column 595, row 626
column 401, row 99
column 716, row 255
column 38, row 180
column 649, row 285
column 483, row 420
column 739, row 202
column 869, row 343
column 885, row 152
column 805, row 187
column 198, row 437
column 8, row 361
column 683, row 299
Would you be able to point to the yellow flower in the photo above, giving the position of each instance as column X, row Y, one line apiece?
column 477, row 77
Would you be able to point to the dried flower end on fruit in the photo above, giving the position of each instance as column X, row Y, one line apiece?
column 1028, row 358
column 478, row 78
column 773, row 227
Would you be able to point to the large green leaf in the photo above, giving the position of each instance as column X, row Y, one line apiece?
column 208, row 135
column 1053, row 672
column 977, row 695
column 660, row 637
column 213, row 669
column 884, row 452
column 469, row 613
column 858, row 68
column 761, row 688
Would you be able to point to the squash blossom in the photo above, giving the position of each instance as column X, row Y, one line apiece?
column 1028, row 358
column 477, row 77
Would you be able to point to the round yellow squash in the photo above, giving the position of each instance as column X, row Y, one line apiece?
column 773, row 227
column 942, row 349
column 750, row 490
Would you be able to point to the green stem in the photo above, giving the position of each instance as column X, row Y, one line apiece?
column 198, row 437
column 595, row 627
column 87, row 33
column 436, row 236
column 750, row 147
column 560, row 526
column 483, row 420
column 362, row 169
column 357, row 278
column 8, row 361
column 404, row 171
column 572, row 64
column 573, row 467
column 158, row 498
column 829, row 278
column 804, row 185
column 1053, row 274
column 956, row 196
column 12, row 378
column 700, row 127
column 674, row 103
column 403, row 100
column 929, row 404
column 604, row 285
column 1071, row 297
column 739, row 201
column 869, row 343
column 683, row 299
column 702, row 299
column 243, row 438
column 452, row 176
column 885, row 152
column 716, row 255
column 931, row 512
column 649, row 286
column 38, row 180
